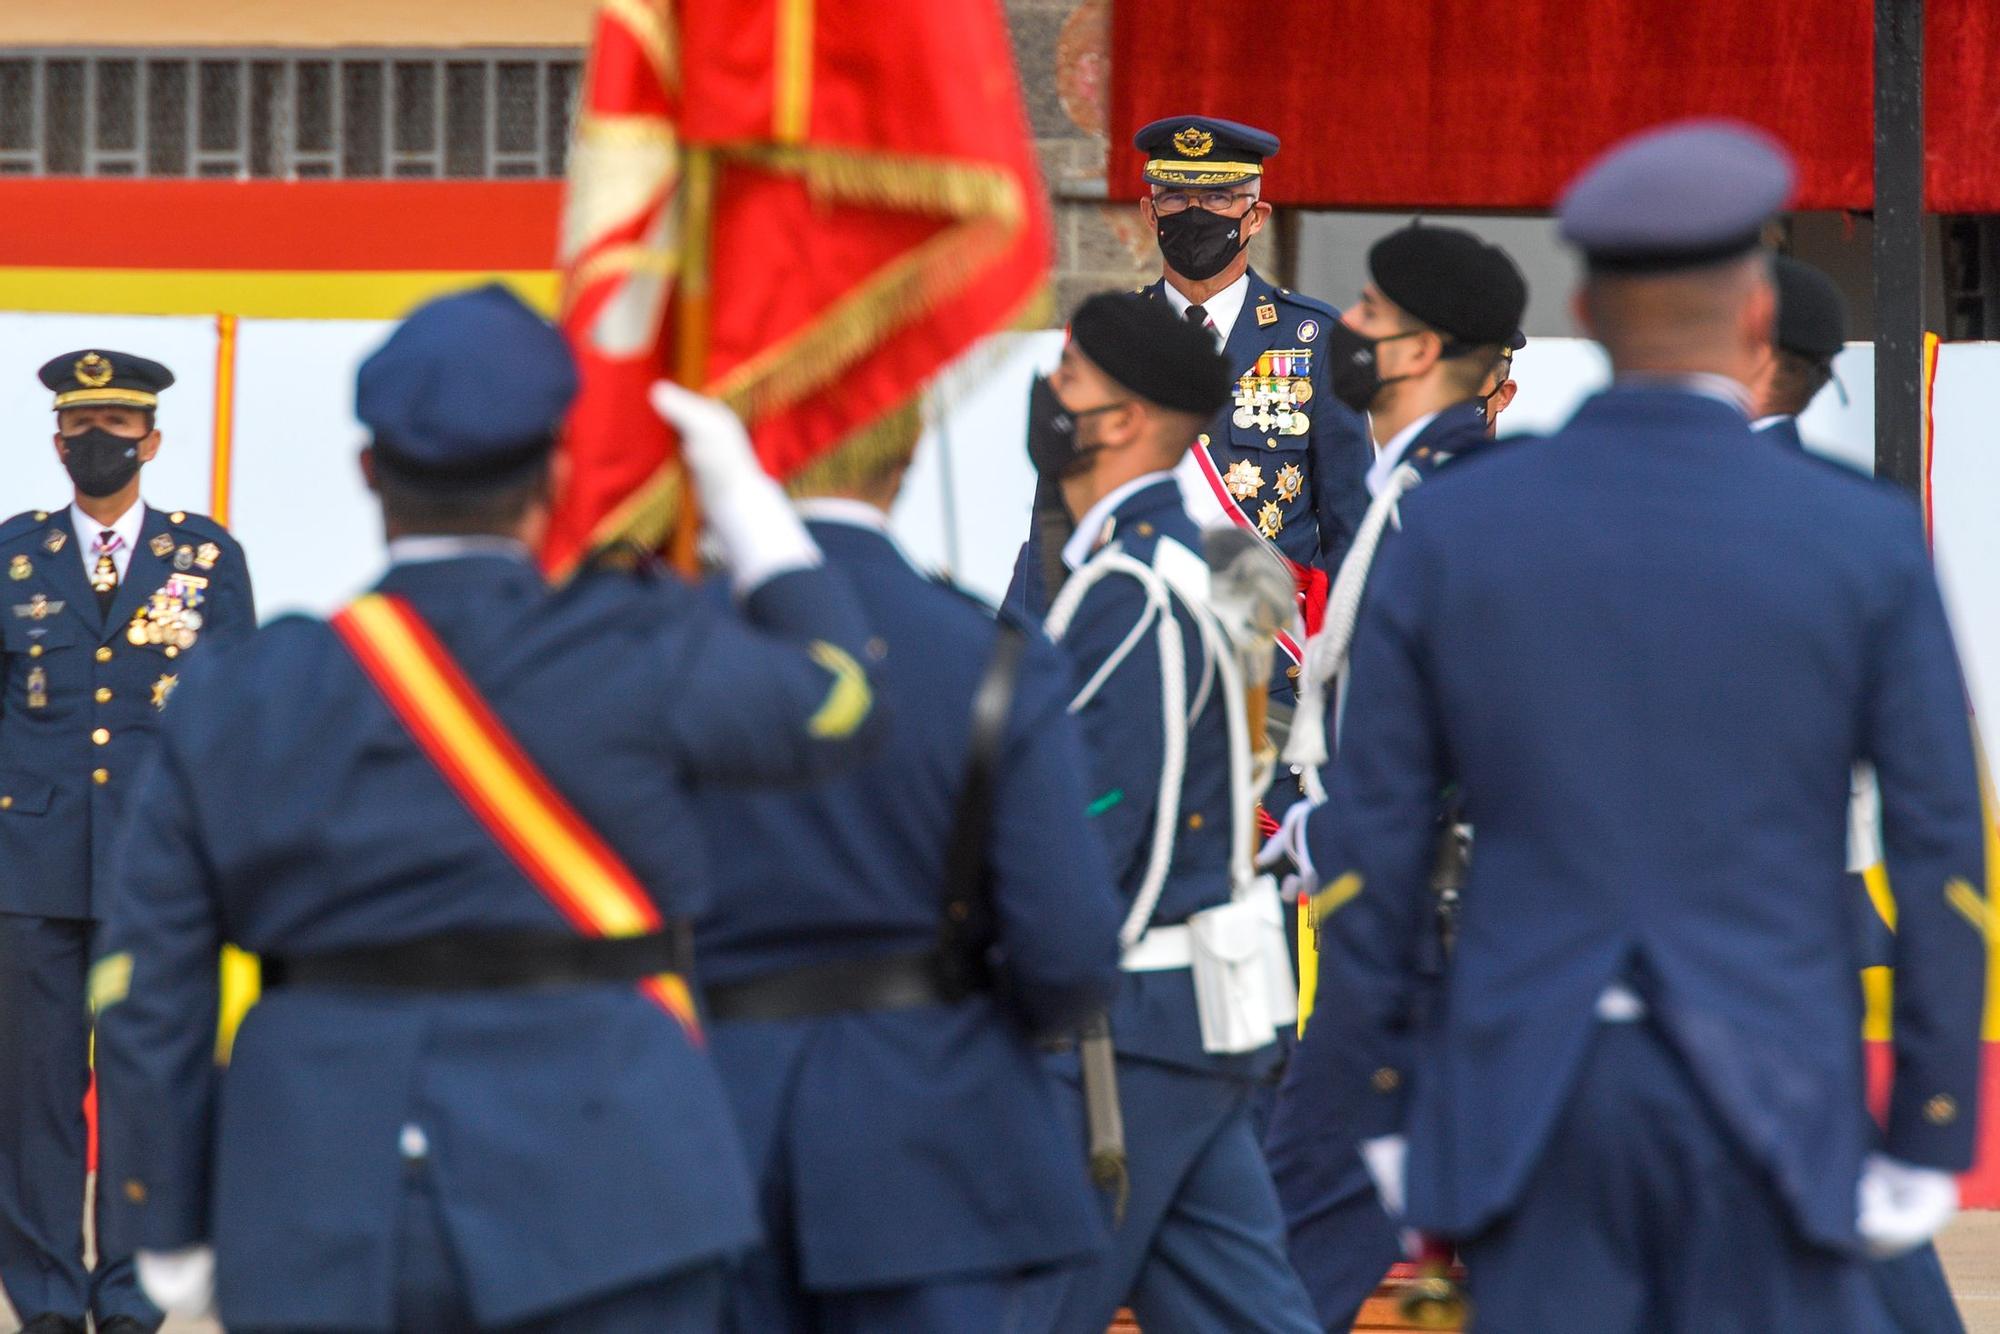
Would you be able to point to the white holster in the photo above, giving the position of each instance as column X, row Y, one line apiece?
column 1237, row 951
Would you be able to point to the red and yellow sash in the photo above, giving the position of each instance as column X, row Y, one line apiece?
column 565, row 859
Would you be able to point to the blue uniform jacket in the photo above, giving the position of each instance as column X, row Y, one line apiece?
column 81, row 703
column 578, row 1140
column 1650, row 685
column 1314, row 484
column 885, row 1128
column 1154, row 1014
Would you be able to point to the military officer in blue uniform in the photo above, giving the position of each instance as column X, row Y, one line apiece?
column 1451, row 304
column 1283, row 455
column 109, row 601
column 882, row 952
column 1642, row 1103
column 1201, row 1241
column 1810, row 331
column 454, row 1109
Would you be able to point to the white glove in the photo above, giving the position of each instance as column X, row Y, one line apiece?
column 1384, row 1157
column 1289, row 844
column 179, row 1282
column 743, row 506
column 1899, row 1207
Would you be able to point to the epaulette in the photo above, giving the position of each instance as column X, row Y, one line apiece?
column 1313, row 304
column 21, row 524
column 200, row 525
column 945, row 584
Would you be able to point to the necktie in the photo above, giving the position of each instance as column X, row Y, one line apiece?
column 104, row 574
column 1198, row 316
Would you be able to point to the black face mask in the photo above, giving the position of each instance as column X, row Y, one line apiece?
column 1052, row 445
column 99, row 462
column 1357, row 380
column 1198, row 244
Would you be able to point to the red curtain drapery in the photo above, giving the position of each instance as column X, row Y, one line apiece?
column 1470, row 104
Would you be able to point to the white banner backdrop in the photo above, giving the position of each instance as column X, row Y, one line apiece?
column 313, row 539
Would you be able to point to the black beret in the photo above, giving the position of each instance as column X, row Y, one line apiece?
column 1452, row 281
column 1812, row 317
column 96, row 376
column 1139, row 342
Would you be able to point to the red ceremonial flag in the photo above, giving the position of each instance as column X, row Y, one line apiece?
column 801, row 208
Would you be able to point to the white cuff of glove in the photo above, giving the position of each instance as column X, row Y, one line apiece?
column 743, row 507
column 1385, row 1157
column 1899, row 1206
column 179, row 1282
column 1289, row 844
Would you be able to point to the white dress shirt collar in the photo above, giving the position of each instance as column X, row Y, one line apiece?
column 1222, row 308
column 841, row 509
column 126, row 525
column 1766, row 423
column 1083, row 542
column 426, row 548
column 1705, row 383
column 1391, row 454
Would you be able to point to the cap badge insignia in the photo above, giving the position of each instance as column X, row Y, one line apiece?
column 1194, row 141
column 1291, row 481
column 54, row 541
column 93, row 371
column 161, row 545
column 207, row 554
column 1267, row 314
column 1244, row 479
column 20, row 568
column 1270, row 520
column 1308, row 330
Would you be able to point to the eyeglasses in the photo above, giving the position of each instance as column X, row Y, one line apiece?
column 1169, row 202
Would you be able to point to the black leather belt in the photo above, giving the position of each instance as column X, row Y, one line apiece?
column 839, row 986
column 488, row 961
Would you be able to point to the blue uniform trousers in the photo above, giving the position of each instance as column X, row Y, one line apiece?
column 44, row 1073
column 1916, row 1294
column 1644, row 1216
column 765, row 1296
column 1202, row 1245
column 432, row 1298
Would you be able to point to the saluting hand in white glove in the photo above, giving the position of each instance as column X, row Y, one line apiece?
column 743, row 506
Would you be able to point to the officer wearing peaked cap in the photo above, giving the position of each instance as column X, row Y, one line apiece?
column 1653, row 1034
column 1283, row 455
column 457, row 826
column 108, row 603
column 1201, row 1241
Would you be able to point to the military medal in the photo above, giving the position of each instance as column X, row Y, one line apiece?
column 38, row 688
column 1244, row 479
column 184, row 559
column 163, row 688
column 207, row 554
column 1291, row 481
column 20, row 568
column 169, row 618
column 161, row 545
column 1270, row 520
column 1308, row 330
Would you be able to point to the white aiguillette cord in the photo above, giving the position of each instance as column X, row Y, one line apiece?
column 1326, row 652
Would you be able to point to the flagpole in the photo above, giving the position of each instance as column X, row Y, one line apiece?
column 691, row 332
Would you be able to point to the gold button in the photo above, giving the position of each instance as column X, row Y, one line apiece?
column 102, row 736
column 41, row 515
column 100, row 776
column 34, row 650
column 103, row 695
column 178, row 516
column 1292, row 671
column 173, row 652
column 1270, row 444
column 1202, row 439
column 1941, row 1110
column 1386, row 1080
column 6, row 803
column 135, row 1191
column 104, row 653
column 1194, row 821
column 1145, row 530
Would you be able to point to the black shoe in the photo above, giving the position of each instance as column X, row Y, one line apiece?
column 120, row 1324
column 51, row 1323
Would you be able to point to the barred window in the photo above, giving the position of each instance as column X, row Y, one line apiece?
column 287, row 114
